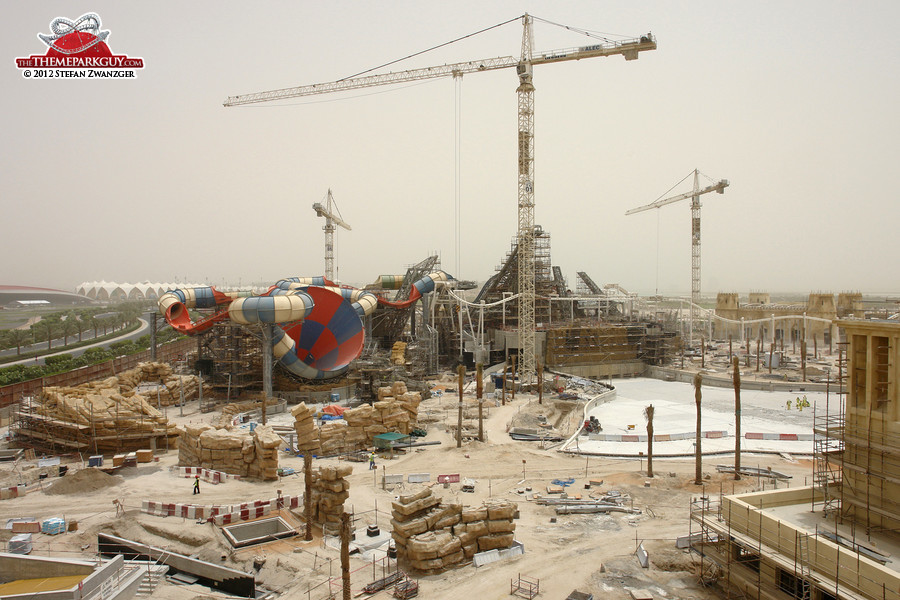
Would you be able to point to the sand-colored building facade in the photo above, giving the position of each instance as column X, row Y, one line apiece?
column 835, row 539
column 760, row 318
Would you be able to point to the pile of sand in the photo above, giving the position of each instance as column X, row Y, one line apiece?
column 84, row 481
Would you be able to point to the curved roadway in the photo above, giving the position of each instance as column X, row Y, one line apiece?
column 143, row 329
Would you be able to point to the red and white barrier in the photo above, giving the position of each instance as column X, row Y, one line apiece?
column 221, row 515
column 187, row 511
column 208, row 475
column 254, row 510
column 9, row 493
column 787, row 437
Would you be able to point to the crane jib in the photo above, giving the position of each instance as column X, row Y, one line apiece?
column 628, row 49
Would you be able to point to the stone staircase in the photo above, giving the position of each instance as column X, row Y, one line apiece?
column 153, row 574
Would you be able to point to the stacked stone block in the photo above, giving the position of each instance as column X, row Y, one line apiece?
column 432, row 537
column 236, row 452
column 305, row 426
column 330, row 489
column 396, row 410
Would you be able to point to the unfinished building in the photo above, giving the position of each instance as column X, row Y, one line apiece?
column 593, row 333
column 765, row 320
column 835, row 539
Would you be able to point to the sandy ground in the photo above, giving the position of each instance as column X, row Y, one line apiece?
column 591, row 553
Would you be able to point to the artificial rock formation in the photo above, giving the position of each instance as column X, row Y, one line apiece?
column 432, row 537
column 330, row 489
column 109, row 415
column 230, row 411
column 396, row 410
column 237, row 452
column 156, row 373
column 398, row 353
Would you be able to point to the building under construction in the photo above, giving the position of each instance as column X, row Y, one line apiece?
column 837, row 538
column 591, row 332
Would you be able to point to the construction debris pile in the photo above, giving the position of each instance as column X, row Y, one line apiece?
column 396, row 411
column 106, row 416
column 432, row 537
column 252, row 454
column 329, row 491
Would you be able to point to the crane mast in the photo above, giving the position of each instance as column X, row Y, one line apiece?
column 524, row 64
column 331, row 220
column 694, row 195
column 525, row 233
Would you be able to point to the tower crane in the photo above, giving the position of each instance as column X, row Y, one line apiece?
column 525, row 93
column 694, row 195
column 327, row 210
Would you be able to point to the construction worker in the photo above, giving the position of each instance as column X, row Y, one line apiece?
column 372, row 460
column 196, row 484
column 788, row 405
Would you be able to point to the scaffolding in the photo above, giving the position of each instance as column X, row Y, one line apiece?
column 35, row 426
column 828, row 440
column 548, row 283
column 390, row 324
column 602, row 343
column 231, row 360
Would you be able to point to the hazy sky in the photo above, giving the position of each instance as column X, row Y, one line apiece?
column 152, row 179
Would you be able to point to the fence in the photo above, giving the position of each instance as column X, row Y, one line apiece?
column 10, row 394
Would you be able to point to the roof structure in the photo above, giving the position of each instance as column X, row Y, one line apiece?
column 110, row 290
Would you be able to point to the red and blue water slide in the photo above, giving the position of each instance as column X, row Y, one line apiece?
column 318, row 326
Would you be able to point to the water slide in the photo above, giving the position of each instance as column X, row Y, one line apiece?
column 318, row 326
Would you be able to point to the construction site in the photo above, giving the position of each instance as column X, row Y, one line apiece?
column 430, row 436
column 419, row 460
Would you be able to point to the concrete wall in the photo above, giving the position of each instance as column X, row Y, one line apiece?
column 109, row 581
column 630, row 368
column 221, row 578
column 17, row 566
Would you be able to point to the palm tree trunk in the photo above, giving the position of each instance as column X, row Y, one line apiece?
column 737, row 420
column 698, row 474
column 648, row 412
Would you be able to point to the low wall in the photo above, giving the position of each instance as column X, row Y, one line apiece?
column 724, row 380
column 627, row 368
column 591, row 404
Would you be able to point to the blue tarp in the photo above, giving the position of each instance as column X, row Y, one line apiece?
column 563, row 482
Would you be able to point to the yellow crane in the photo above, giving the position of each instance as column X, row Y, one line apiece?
column 524, row 65
column 327, row 210
column 694, row 195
